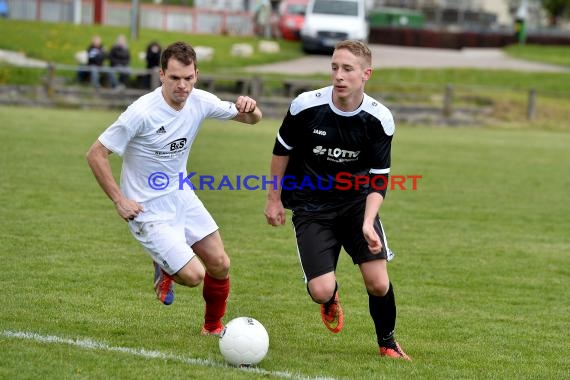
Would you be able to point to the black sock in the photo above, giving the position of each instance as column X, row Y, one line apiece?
column 383, row 313
column 329, row 302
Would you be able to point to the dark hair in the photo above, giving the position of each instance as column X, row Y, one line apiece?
column 180, row 51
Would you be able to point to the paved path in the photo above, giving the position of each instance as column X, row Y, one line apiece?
column 20, row 59
column 387, row 56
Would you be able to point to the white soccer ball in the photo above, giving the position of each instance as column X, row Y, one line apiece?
column 244, row 342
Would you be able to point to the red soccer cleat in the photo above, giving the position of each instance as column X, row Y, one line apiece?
column 163, row 285
column 394, row 351
column 332, row 315
column 215, row 332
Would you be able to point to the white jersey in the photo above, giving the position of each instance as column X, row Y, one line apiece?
column 154, row 138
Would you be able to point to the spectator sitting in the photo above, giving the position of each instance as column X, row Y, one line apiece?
column 95, row 58
column 119, row 59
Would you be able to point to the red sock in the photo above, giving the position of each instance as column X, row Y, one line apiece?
column 215, row 293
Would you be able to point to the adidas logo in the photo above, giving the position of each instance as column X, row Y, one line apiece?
column 160, row 131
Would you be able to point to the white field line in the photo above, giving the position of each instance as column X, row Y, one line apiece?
column 90, row 344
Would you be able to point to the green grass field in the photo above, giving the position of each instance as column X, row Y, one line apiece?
column 481, row 271
column 556, row 55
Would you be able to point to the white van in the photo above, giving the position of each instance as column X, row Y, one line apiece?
column 330, row 21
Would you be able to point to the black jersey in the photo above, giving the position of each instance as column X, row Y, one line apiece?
column 335, row 157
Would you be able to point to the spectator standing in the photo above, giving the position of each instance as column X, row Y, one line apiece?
column 262, row 19
column 153, row 51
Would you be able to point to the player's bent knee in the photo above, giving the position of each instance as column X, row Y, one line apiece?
column 190, row 278
column 320, row 293
column 192, row 274
column 378, row 288
column 218, row 267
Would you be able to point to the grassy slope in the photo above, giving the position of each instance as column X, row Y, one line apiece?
column 58, row 42
column 506, row 92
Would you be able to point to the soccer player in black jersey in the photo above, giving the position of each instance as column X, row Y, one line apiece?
column 332, row 161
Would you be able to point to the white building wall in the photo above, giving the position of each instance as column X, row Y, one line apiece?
column 500, row 8
column 230, row 5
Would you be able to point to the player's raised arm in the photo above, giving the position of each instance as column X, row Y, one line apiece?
column 248, row 112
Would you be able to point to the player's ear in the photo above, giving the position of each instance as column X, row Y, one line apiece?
column 366, row 74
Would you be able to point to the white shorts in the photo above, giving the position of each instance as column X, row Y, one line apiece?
column 170, row 225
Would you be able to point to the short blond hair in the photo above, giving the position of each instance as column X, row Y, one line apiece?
column 356, row 47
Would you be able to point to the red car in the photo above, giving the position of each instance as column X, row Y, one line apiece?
column 291, row 18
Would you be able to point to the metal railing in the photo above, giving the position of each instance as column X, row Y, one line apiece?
column 152, row 16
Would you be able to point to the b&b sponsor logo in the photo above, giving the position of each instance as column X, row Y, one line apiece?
column 173, row 148
column 176, row 145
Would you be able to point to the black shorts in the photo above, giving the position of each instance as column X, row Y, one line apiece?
column 320, row 237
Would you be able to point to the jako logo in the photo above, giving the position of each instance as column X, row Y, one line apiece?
column 336, row 152
column 319, row 132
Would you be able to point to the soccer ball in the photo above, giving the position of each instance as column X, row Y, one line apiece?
column 244, row 342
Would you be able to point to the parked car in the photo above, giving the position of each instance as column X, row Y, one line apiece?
column 291, row 18
column 330, row 21
column 4, row 9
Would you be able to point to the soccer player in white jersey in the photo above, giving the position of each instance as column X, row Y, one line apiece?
column 332, row 160
column 154, row 136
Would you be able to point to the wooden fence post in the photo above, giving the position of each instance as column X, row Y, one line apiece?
column 154, row 78
column 256, row 87
column 531, row 107
column 49, row 80
column 448, row 101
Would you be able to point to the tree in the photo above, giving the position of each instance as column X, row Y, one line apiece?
column 556, row 9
